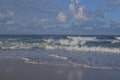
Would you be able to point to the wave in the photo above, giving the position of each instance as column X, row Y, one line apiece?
column 87, row 44
column 71, row 48
column 118, row 38
column 67, row 64
column 86, row 49
column 58, row 57
column 115, row 41
column 82, row 38
column 27, row 60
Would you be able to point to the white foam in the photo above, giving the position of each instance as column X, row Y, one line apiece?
column 72, row 41
column 27, row 60
column 95, row 49
column 48, row 40
column 87, row 49
column 82, row 38
column 115, row 41
column 64, row 42
column 58, row 57
column 118, row 38
column 24, row 59
column 50, row 47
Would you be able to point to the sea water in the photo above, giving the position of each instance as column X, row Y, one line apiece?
column 63, row 50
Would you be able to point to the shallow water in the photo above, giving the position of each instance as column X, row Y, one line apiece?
column 64, row 58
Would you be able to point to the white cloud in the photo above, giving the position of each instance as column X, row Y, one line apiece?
column 62, row 17
column 77, row 12
column 6, row 17
column 43, row 20
column 11, row 12
column 75, row 1
column 80, row 14
column 72, row 7
column 40, row 21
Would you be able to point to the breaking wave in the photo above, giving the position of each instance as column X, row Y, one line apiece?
column 87, row 44
column 117, row 38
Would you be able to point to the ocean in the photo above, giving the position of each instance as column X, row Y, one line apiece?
column 63, row 50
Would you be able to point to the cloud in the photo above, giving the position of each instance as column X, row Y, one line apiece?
column 78, row 15
column 62, row 17
column 46, row 23
column 37, row 20
column 43, row 20
column 6, row 17
column 78, row 12
column 81, row 15
column 116, row 3
column 11, row 12
column 75, row 1
column 72, row 7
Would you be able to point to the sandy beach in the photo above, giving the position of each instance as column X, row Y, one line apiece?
column 18, row 70
column 59, row 39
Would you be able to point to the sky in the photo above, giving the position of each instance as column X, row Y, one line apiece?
column 60, row 17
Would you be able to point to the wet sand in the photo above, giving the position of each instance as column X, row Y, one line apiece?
column 18, row 70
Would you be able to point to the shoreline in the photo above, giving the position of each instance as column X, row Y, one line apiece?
column 18, row 70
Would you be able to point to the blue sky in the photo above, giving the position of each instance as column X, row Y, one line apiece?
column 78, row 17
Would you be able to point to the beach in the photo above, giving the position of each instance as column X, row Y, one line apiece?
column 18, row 70
column 59, row 39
